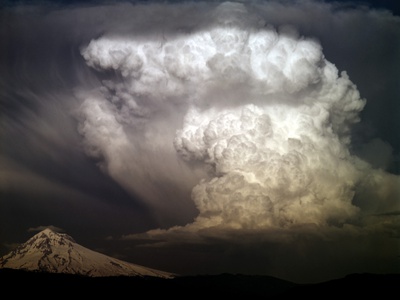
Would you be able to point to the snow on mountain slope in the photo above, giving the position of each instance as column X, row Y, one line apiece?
column 53, row 252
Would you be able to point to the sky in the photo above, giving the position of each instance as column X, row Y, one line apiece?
column 251, row 137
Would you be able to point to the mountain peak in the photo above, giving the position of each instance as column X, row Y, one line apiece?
column 53, row 252
column 47, row 232
column 52, row 235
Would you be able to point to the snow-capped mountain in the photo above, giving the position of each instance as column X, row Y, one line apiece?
column 53, row 252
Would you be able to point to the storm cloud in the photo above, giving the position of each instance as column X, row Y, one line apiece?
column 260, row 127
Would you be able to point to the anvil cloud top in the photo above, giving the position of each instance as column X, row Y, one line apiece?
column 253, row 137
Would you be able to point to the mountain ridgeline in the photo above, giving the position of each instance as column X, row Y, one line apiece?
column 56, row 265
column 53, row 252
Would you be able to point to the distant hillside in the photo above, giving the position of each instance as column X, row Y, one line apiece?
column 53, row 252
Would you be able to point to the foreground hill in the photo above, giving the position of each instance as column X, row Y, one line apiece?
column 53, row 264
column 196, row 287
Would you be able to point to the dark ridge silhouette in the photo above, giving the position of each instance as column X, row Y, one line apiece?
column 51, row 285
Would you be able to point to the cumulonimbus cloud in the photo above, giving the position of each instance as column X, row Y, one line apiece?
column 255, row 110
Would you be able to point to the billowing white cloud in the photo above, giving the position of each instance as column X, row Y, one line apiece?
column 261, row 136
column 255, row 110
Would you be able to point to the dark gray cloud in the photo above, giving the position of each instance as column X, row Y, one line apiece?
column 40, row 228
column 253, row 137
